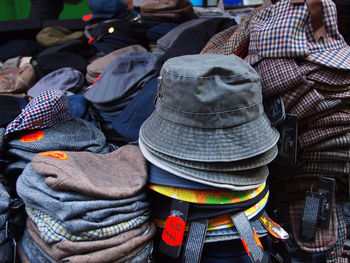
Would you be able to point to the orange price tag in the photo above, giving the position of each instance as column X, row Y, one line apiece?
column 56, row 155
column 173, row 232
column 33, row 137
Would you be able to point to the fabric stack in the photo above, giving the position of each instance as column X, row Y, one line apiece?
column 209, row 130
column 304, row 66
column 86, row 207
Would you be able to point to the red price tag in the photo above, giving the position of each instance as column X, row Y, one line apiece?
column 173, row 232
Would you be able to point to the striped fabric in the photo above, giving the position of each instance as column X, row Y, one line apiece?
column 52, row 230
column 46, row 110
column 316, row 135
column 284, row 30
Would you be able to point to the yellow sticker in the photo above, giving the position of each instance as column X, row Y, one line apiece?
column 33, row 137
column 56, row 155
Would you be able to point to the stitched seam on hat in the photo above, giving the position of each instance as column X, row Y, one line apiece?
column 210, row 113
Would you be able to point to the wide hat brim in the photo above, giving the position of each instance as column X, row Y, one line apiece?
column 209, row 145
column 250, row 163
column 237, row 181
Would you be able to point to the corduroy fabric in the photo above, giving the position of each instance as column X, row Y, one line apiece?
column 115, row 175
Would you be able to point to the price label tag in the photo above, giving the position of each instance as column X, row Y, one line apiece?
column 174, row 230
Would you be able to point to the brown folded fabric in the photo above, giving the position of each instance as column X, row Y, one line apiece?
column 67, row 248
column 114, row 253
column 115, row 175
column 163, row 5
column 18, row 83
column 176, row 13
column 57, row 35
column 22, row 257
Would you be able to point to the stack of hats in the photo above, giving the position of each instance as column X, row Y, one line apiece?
column 118, row 84
column 168, row 10
column 86, row 207
column 209, row 127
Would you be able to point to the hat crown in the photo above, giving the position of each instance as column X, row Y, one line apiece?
column 209, row 91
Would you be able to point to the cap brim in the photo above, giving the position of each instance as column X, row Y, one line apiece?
column 237, row 181
column 338, row 58
column 209, row 145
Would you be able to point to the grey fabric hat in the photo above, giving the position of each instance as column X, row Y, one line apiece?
column 237, row 180
column 74, row 135
column 67, row 79
column 96, row 67
column 209, row 108
column 250, row 163
column 122, row 77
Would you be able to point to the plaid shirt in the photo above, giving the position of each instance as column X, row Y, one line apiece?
column 338, row 118
column 239, row 41
column 341, row 155
column 279, row 75
column 284, row 30
column 341, row 168
column 335, row 255
column 316, row 135
column 216, row 45
column 46, row 110
column 329, row 76
column 335, row 142
column 52, row 230
column 306, row 104
column 292, row 96
column 325, row 239
column 325, row 105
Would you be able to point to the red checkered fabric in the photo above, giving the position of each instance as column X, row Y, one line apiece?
column 325, row 239
column 292, row 96
column 316, row 135
column 306, row 104
column 338, row 118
